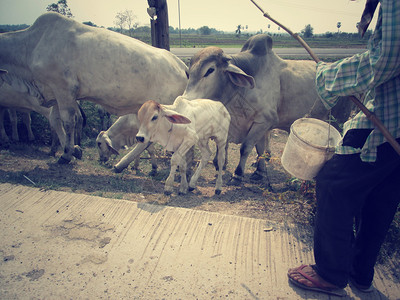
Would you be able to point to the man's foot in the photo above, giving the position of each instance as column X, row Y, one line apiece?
column 306, row 278
column 360, row 287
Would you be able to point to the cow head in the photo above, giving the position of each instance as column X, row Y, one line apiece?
column 154, row 121
column 210, row 72
column 104, row 146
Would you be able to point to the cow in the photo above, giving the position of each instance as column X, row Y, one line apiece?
column 12, row 100
column 122, row 133
column 180, row 126
column 61, row 59
column 261, row 92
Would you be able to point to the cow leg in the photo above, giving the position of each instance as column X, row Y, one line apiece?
column 221, row 164
column 261, row 172
column 179, row 159
column 215, row 160
column 136, row 163
column 151, row 152
column 57, row 130
column 256, row 130
column 67, row 114
column 261, row 169
column 205, row 156
column 26, row 119
column 176, row 160
column 78, row 127
column 14, row 124
column 3, row 134
column 55, row 142
column 131, row 156
column 183, row 187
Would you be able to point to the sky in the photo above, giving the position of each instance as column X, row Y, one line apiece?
column 226, row 15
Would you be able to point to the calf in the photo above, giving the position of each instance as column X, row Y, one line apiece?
column 122, row 133
column 178, row 127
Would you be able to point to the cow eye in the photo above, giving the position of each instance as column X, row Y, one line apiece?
column 154, row 118
column 209, row 71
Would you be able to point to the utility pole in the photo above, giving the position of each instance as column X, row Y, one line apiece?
column 158, row 11
column 180, row 30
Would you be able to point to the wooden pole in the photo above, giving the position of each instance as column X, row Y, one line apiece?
column 160, row 25
column 371, row 116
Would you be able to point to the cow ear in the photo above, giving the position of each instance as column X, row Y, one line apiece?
column 113, row 150
column 175, row 117
column 240, row 78
column 110, row 147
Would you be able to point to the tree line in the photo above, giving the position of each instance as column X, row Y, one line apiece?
column 125, row 23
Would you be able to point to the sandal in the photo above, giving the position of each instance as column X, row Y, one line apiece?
column 305, row 273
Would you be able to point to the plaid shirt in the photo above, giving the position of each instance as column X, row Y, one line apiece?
column 377, row 72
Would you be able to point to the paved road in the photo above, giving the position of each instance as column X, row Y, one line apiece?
column 296, row 52
column 57, row 245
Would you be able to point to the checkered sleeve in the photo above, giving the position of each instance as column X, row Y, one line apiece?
column 365, row 71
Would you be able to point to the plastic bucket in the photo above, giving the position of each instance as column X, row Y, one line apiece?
column 307, row 149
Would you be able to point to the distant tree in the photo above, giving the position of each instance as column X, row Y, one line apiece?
column 89, row 23
column 238, row 30
column 125, row 19
column 130, row 21
column 328, row 35
column 205, row 30
column 143, row 29
column 120, row 20
column 308, row 31
column 60, row 7
column 8, row 28
column 338, row 25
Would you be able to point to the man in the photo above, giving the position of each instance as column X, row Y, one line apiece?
column 362, row 180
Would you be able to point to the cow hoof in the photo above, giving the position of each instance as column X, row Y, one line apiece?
column 77, row 152
column 191, row 189
column 217, row 192
column 116, row 170
column 235, row 181
column 182, row 193
column 153, row 173
column 63, row 161
column 167, row 193
column 256, row 177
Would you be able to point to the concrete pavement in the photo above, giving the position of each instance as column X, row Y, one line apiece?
column 57, row 245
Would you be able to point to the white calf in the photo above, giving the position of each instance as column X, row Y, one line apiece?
column 178, row 127
column 122, row 133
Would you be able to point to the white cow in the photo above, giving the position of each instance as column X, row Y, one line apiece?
column 122, row 133
column 59, row 58
column 13, row 100
column 261, row 92
column 180, row 126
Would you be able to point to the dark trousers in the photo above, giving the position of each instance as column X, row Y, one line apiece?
column 349, row 189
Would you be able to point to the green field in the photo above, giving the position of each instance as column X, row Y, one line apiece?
column 232, row 41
